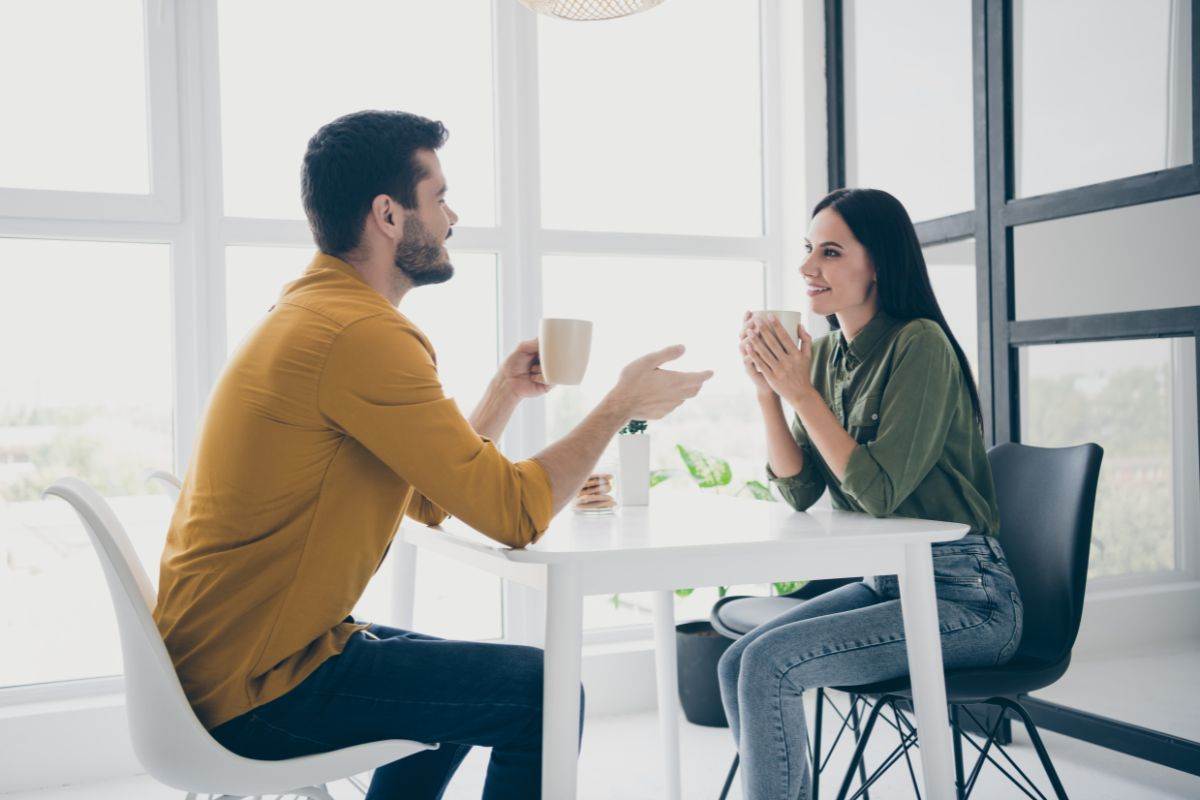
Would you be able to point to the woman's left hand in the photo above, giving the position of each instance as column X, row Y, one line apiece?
column 786, row 366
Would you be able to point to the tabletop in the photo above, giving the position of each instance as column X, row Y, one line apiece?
column 683, row 522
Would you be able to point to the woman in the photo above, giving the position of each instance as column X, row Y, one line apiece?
column 887, row 418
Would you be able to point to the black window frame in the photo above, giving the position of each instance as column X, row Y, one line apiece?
column 991, row 223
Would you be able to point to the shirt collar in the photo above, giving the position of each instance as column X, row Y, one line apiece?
column 325, row 261
column 864, row 343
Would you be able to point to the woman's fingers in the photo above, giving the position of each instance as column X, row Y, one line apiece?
column 763, row 350
column 757, row 363
column 764, row 339
column 782, row 337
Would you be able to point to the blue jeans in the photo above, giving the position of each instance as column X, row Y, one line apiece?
column 394, row 684
column 853, row 635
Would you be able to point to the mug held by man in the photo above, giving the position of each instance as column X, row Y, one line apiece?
column 563, row 349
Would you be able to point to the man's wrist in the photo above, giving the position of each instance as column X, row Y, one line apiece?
column 616, row 406
column 502, row 389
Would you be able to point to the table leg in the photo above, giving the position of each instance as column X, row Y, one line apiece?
column 560, row 692
column 404, row 582
column 918, row 603
column 668, row 689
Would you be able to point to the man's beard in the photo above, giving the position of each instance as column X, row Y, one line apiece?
column 419, row 256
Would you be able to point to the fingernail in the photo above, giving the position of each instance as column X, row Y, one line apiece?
column 771, row 317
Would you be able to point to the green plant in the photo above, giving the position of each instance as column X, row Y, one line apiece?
column 634, row 426
column 710, row 472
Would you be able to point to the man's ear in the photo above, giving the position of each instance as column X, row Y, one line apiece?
column 388, row 215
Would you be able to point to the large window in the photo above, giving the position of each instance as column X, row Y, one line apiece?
column 90, row 58
column 86, row 392
column 140, row 255
column 1120, row 395
column 1101, row 90
column 325, row 61
column 1134, row 258
column 908, row 103
column 1070, row 279
column 646, row 143
column 952, row 273
column 644, row 304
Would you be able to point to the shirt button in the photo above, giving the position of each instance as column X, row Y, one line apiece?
column 874, row 416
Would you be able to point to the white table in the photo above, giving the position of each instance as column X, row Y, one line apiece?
column 687, row 539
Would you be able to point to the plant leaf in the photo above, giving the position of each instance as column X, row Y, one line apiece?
column 657, row 476
column 787, row 587
column 707, row 471
column 722, row 591
column 684, row 592
column 759, row 490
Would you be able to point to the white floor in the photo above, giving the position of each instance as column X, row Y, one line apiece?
column 1121, row 687
column 620, row 761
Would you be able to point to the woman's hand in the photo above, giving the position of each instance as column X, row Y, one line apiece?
column 760, row 383
column 785, row 367
column 521, row 372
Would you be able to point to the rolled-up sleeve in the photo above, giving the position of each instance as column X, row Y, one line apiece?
column 915, row 413
column 424, row 510
column 806, row 486
column 380, row 386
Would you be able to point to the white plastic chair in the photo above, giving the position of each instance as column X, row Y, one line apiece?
column 168, row 738
column 168, row 481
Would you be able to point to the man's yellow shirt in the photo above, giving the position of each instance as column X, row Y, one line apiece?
column 328, row 425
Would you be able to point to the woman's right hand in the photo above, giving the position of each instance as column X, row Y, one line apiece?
column 756, row 377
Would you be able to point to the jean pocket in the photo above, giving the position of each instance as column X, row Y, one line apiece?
column 1014, row 642
column 952, row 567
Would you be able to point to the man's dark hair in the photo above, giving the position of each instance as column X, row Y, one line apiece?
column 354, row 159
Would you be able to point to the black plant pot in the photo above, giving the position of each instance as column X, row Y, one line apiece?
column 698, row 649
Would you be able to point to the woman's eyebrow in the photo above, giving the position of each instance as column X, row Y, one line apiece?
column 835, row 244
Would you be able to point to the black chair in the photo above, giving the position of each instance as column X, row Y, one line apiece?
column 1046, row 498
column 736, row 615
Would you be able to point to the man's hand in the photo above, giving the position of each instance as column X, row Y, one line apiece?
column 521, row 372
column 646, row 391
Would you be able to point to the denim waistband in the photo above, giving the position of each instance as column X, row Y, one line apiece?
column 977, row 543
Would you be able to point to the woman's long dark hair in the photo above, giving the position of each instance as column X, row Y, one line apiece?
column 879, row 221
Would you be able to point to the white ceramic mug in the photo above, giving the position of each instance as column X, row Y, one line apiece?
column 789, row 319
column 563, row 349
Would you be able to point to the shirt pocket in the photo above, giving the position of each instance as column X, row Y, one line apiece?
column 863, row 419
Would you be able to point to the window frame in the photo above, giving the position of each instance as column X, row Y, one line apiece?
column 997, row 212
column 162, row 203
column 184, row 210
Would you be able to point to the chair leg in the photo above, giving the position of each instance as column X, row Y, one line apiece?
column 816, row 745
column 958, row 762
column 313, row 792
column 862, row 745
column 1031, row 729
column 862, row 762
column 729, row 778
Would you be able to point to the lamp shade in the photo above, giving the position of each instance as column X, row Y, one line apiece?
column 589, row 9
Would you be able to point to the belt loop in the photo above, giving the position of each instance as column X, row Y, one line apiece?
column 994, row 546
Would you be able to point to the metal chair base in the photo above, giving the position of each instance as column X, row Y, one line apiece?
column 850, row 721
column 963, row 786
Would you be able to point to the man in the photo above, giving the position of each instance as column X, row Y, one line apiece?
column 327, row 426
